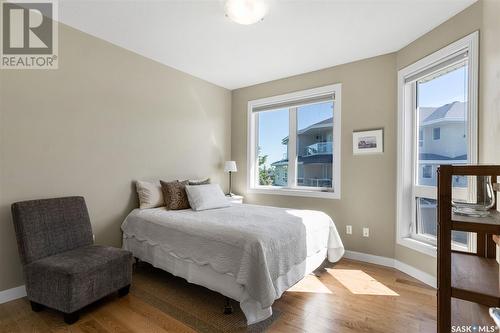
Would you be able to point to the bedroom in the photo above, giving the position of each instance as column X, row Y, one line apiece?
column 171, row 90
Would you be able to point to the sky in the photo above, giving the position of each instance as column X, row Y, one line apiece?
column 444, row 89
column 273, row 125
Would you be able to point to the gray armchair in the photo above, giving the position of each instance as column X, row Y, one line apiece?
column 63, row 270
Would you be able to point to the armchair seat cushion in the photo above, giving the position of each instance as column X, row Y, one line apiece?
column 73, row 279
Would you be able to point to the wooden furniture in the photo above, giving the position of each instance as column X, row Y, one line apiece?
column 468, row 283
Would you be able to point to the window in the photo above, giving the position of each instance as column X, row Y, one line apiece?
column 437, row 98
column 436, row 133
column 427, row 171
column 294, row 143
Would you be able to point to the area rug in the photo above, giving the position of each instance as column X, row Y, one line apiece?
column 193, row 305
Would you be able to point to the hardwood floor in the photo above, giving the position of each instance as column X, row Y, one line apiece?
column 347, row 297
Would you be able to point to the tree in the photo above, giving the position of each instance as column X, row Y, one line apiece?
column 266, row 176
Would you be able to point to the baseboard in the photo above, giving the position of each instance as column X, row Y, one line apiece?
column 393, row 263
column 12, row 294
column 416, row 273
column 370, row 258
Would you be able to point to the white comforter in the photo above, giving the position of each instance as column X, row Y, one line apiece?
column 255, row 244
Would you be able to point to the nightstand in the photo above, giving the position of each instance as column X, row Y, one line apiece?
column 235, row 199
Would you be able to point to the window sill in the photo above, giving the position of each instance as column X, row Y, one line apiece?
column 295, row 192
column 418, row 246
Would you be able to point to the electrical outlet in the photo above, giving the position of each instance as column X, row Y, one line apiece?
column 348, row 229
column 366, row 232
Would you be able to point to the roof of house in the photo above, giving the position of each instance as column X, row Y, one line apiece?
column 452, row 111
column 324, row 123
column 280, row 162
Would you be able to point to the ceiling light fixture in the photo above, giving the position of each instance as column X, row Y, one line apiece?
column 246, row 11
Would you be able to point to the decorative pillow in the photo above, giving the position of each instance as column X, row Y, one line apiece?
column 202, row 197
column 150, row 194
column 174, row 194
column 199, row 181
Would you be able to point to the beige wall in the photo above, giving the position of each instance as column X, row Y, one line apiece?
column 489, row 97
column 455, row 28
column 106, row 117
column 368, row 182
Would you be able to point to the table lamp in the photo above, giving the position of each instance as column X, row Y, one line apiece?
column 230, row 166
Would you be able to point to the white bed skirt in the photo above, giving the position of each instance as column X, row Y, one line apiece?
column 224, row 284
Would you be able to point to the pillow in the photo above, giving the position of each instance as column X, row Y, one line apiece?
column 150, row 194
column 199, row 181
column 174, row 194
column 210, row 196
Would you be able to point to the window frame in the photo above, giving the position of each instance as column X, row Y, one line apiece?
column 408, row 140
column 252, row 132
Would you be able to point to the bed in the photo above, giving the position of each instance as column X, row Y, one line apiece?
column 249, row 253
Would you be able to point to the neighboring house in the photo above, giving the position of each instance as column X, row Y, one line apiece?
column 281, row 171
column 315, row 156
column 442, row 140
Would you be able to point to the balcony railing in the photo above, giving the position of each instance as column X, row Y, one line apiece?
column 319, row 148
column 314, row 182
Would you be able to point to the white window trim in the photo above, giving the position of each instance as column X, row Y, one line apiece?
column 252, row 131
column 405, row 170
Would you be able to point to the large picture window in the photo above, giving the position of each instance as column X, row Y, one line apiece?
column 437, row 116
column 294, row 143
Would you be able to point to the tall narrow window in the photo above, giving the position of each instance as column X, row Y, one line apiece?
column 294, row 143
column 437, row 100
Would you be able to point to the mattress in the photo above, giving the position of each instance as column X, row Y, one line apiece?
column 262, row 250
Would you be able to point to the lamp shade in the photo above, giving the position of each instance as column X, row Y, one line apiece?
column 230, row 166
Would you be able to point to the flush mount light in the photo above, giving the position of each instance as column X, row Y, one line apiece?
column 246, row 11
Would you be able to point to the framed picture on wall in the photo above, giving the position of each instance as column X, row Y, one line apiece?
column 368, row 142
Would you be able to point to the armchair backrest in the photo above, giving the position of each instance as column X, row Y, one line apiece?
column 50, row 226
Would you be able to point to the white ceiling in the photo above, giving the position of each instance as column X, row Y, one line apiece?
column 295, row 37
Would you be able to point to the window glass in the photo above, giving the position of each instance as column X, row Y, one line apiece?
column 427, row 223
column 427, row 217
column 438, row 126
column 315, row 145
column 442, row 115
column 427, row 171
column 272, row 149
column 436, row 133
